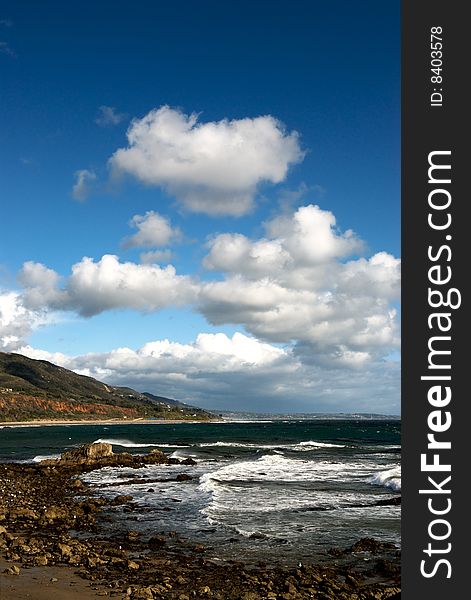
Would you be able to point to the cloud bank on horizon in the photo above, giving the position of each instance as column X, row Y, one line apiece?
column 315, row 313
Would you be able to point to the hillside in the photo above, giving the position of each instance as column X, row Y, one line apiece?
column 37, row 389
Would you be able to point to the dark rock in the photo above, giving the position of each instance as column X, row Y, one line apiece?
column 155, row 453
column 87, row 453
column 370, row 545
column 13, row 570
column 122, row 499
column 157, row 541
column 65, row 550
column 386, row 567
column 351, row 580
column 78, row 484
column 396, row 501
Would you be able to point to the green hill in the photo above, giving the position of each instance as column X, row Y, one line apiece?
column 37, row 389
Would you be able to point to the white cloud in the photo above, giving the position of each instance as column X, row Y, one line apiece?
column 108, row 116
column 297, row 249
column 235, row 253
column 153, row 231
column 241, row 373
column 327, row 320
column 380, row 276
column 41, row 286
column 310, row 236
column 83, row 184
column 216, row 352
column 57, row 358
column 94, row 287
column 294, row 286
column 108, row 284
column 17, row 322
column 298, row 286
column 213, row 167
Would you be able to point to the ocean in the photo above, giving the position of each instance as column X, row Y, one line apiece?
column 280, row 491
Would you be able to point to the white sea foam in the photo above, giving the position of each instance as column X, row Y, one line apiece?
column 278, row 469
column 40, row 458
column 27, row 425
column 183, row 453
column 299, row 447
column 391, row 478
column 239, row 421
column 247, row 493
column 320, row 444
column 130, row 444
column 228, row 444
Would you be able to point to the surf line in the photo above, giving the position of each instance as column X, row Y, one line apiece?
column 442, row 300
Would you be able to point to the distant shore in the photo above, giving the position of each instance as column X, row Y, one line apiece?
column 51, row 422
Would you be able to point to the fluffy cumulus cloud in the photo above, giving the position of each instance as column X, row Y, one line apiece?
column 153, row 231
column 219, row 372
column 17, row 322
column 296, row 286
column 94, row 287
column 318, row 315
column 301, row 284
column 84, row 180
column 41, row 287
column 299, row 245
column 213, row 167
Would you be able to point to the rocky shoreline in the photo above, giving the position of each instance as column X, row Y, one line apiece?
column 50, row 518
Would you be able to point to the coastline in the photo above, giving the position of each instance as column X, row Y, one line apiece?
column 52, row 422
column 53, row 524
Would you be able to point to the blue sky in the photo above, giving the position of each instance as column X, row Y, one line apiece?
column 312, row 90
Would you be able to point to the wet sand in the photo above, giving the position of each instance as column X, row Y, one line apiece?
column 35, row 584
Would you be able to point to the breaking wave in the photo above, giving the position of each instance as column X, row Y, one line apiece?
column 300, row 446
column 40, row 458
column 391, row 478
column 130, row 444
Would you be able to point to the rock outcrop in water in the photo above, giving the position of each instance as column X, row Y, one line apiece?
column 88, row 453
column 98, row 455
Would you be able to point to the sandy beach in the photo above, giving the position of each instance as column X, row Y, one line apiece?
column 45, row 583
column 49, row 422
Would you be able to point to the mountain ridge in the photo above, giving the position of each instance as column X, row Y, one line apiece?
column 32, row 389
